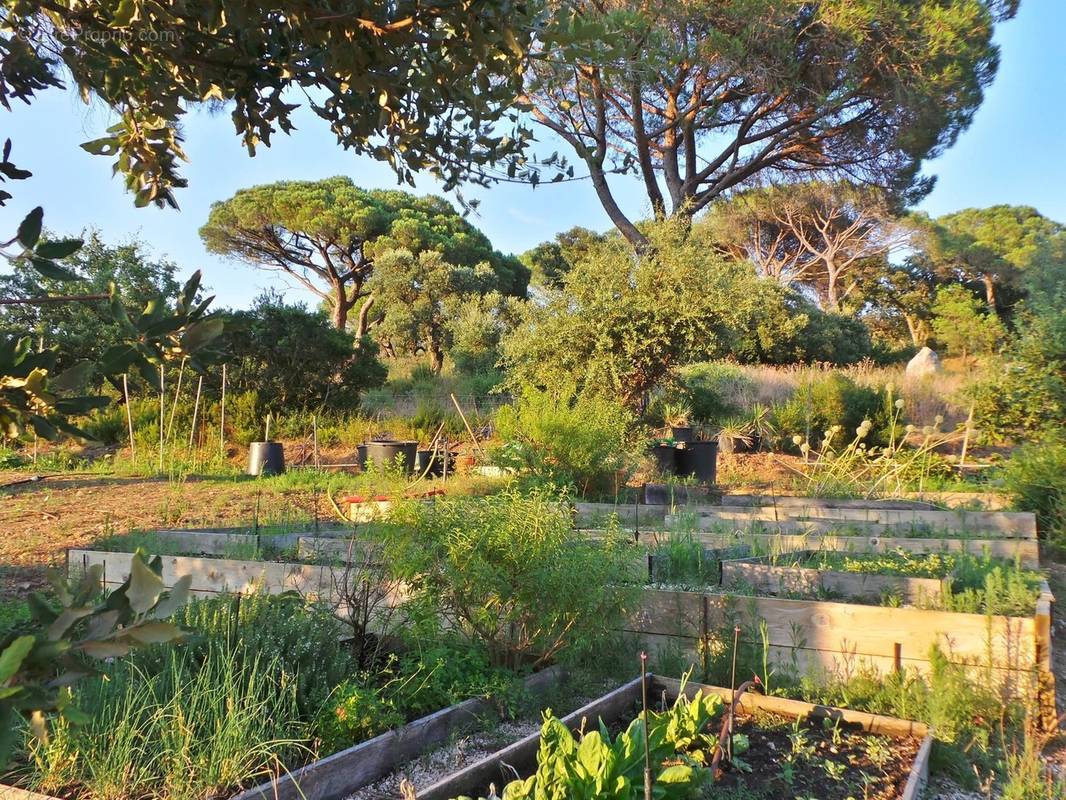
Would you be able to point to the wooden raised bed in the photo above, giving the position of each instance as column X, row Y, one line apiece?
column 214, row 576
column 837, row 638
column 500, row 767
column 1012, row 524
column 762, row 575
column 805, row 514
column 339, row 775
column 1026, row 550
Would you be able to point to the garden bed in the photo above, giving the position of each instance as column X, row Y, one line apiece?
column 789, row 746
column 850, row 577
column 797, row 517
column 1006, row 524
column 331, row 583
column 823, row 638
column 339, row 775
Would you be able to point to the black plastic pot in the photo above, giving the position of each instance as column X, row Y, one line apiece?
column 426, row 459
column 266, row 458
column 360, row 456
column 385, row 454
column 665, row 458
column 700, row 460
column 681, row 433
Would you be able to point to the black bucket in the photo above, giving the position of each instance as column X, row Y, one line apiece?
column 427, row 460
column 681, row 433
column 700, row 460
column 266, row 458
column 665, row 458
column 360, row 456
column 384, row 454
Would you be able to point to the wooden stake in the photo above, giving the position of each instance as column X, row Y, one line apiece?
column 129, row 413
column 469, row 430
column 314, row 437
column 966, row 438
column 196, row 410
column 222, row 417
column 174, row 405
column 162, row 413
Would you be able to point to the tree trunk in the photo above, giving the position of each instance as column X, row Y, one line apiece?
column 436, row 358
column 339, row 313
column 832, row 302
column 990, row 292
column 362, row 324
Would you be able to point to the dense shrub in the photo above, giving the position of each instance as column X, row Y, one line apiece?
column 354, row 713
column 1026, row 393
column 822, row 401
column 832, row 339
column 294, row 359
column 578, row 441
column 1035, row 475
column 509, row 573
column 715, row 390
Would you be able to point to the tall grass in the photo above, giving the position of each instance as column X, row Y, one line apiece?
column 198, row 727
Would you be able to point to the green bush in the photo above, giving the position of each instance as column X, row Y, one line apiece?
column 354, row 713
column 714, row 388
column 509, row 573
column 437, row 673
column 581, row 441
column 1035, row 475
column 1026, row 394
column 823, row 401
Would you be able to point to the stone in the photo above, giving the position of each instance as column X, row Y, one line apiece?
column 925, row 363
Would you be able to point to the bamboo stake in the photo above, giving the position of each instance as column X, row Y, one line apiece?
column 966, row 438
column 196, row 410
column 162, row 413
column 129, row 414
column 222, row 417
column 174, row 405
column 469, row 430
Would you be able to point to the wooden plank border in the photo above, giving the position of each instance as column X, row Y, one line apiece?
column 500, row 766
column 760, row 573
column 1026, row 550
column 339, row 775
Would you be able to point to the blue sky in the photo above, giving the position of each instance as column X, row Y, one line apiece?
column 1013, row 153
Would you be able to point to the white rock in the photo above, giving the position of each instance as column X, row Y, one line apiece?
column 925, row 362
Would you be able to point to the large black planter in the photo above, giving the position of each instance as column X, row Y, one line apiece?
column 700, row 460
column 665, row 456
column 387, row 454
column 681, row 433
column 426, row 459
column 266, row 458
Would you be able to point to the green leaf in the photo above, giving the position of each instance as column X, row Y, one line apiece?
column 60, row 248
column 72, row 378
column 145, row 587
column 64, row 621
column 154, row 632
column 201, row 334
column 679, row 773
column 175, row 599
column 30, row 228
column 13, row 656
column 50, row 269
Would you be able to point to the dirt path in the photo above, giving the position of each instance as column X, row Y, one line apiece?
column 41, row 520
